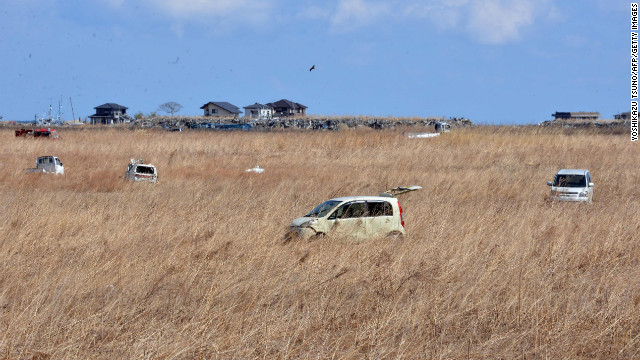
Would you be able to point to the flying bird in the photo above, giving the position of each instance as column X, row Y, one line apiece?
column 313, row 67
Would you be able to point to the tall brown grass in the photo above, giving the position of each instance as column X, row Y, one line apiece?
column 194, row 267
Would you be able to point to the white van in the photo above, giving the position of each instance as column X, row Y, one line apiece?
column 572, row 185
column 353, row 216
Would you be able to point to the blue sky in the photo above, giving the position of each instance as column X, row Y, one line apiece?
column 493, row 61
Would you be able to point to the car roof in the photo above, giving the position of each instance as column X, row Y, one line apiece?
column 363, row 198
column 572, row 171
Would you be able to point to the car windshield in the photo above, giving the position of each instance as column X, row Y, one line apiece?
column 569, row 180
column 323, row 209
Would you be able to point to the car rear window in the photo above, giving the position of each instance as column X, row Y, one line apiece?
column 144, row 170
column 379, row 208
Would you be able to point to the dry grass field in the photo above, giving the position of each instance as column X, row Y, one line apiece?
column 195, row 267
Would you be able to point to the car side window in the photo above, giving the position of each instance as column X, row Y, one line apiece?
column 354, row 210
column 337, row 214
column 348, row 210
column 379, row 208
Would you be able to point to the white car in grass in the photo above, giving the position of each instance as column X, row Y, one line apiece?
column 139, row 171
column 572, row 185
column 354, row 216
column 48, row 165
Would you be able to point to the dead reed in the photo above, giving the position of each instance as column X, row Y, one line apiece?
column 195, row 267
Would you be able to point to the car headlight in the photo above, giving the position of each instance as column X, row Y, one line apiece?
column 309, row 223
column 583, row 193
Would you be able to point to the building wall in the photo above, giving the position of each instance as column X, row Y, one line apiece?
column 266, row 113
column 213, row 110
column 575, row 116
column 258, row 113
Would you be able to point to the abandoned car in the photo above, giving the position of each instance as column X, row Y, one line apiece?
column 354, row 216
column 572, row 185
column 38, row 133
column 139, row 171
column 48, row 165
column 442, row 126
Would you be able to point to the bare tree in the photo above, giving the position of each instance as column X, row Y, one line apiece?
column 170, row 107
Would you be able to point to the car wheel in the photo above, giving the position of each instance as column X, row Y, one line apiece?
column 318, row 236
column 288, row 237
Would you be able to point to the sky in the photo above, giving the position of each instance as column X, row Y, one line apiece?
column 492, row 61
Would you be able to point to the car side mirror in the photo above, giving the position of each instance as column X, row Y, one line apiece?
column 590, row 184
column 549, row 183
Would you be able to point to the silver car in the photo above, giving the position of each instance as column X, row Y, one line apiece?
column 572, row 185
column 139, row 171
column 353, row 216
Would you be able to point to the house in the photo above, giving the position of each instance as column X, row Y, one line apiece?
column 576, row 116
column 109, row 113
column 623, row 116
column 220, row 109
column 285, row 107
column 259, row 111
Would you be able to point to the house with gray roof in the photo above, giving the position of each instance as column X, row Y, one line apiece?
column 285, row 107
column 582, row 115
column 258, row 111
column 623, row 116
column 109, row 113
column 220, row 109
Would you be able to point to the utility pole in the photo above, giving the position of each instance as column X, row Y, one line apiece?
column 72, row 112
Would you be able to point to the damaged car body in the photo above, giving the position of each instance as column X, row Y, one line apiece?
column 354, row 216
column 139, row 171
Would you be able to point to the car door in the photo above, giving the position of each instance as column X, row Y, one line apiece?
column 379, row 219
column 348, row 220
column 589, row 187
column 58, row 167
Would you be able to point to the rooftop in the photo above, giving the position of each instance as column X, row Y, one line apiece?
column 224, row 105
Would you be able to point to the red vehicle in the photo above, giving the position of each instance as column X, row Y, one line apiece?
column 24, row 132
column 41, row 133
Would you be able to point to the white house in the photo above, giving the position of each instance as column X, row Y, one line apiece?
column 220, row 109
column 258, row 111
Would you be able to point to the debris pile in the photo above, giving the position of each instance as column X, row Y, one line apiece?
column 599, row 124
column 422, row 135
column 289, row 123
column 256, row 169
